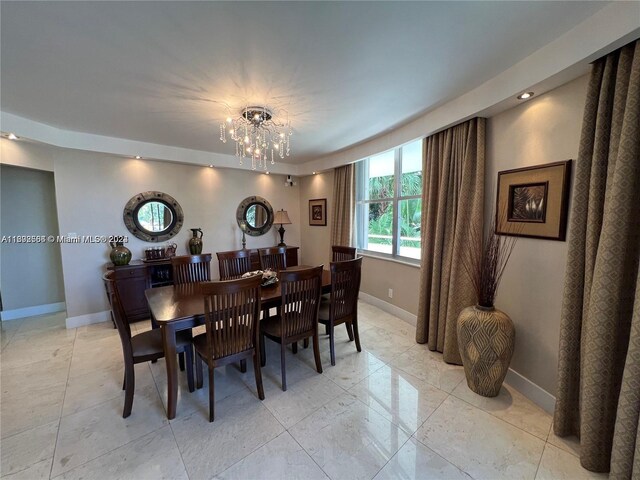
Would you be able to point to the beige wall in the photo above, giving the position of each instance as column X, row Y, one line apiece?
column 30, row 273
column 315, row 241
column 543, row 130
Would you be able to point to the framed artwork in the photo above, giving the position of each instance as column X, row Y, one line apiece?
column 533, row 201
column 318, row 212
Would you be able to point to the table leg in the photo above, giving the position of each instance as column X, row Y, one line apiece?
column 169, row 341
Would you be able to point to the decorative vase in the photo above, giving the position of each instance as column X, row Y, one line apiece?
column 120, row 255
column 195, row 242
column 486, row 337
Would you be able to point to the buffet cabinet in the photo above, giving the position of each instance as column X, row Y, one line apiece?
column 133, row 279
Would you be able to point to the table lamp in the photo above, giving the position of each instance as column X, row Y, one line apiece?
column 282, row 217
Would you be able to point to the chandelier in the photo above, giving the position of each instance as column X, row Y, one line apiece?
column 257, row 136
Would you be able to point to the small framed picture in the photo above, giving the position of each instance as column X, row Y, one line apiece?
column 318, row 212
column 533, row 201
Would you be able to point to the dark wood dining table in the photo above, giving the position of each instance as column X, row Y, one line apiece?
column 179, row 307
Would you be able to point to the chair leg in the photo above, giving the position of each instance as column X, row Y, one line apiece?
column 355, row 334
column 306, row 343
column 326, row 329
column 258, row 373
column 332, row 345
column 349, row 330
column 243, row 366
column 124, row 379
column 130, row 386
column 282, row 365
column 199, row 366
column 211, row 395
column 181, row 361
column 316, row 352
column 263, row 352
column 189, row 358
column 294, row 347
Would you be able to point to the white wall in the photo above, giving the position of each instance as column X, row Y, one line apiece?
column 543, row 130
column 30, row 273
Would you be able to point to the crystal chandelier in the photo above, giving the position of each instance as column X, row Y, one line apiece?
column 257, row 136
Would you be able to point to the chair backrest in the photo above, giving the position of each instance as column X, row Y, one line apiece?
column 345, row 286
column 233, row 264
column 301, row 290
column 232, row 313
column 340, row 254
column 191, row 268
column 273, row 258
column 109, row 286
column 118, row 315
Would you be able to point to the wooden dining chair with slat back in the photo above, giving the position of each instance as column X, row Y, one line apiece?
column 273, row 258
column 297, row 317
column 143, row 347
column 232, row 315
column 109, row 284
column 191, row 268
column 340, row 254
column 233, row 264
column 343, row 305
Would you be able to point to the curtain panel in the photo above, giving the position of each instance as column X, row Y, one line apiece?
column 452, row 202
column 343, row 206
column 598, row 393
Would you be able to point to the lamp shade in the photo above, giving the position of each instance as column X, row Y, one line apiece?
column 282, row 217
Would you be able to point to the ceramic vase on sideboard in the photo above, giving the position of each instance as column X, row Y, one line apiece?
column 486, row 338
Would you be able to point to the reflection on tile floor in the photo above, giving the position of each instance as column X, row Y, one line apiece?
column 395, row 410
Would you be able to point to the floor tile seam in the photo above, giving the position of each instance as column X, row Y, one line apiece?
column 105, row 453
column 27, row 467
column 459, row 467
column 392, row 457
column 309, row 454
column 173, row 434
column 311, row 413
column 55, row 447
column 421, row 379
column 540, row 461
column 496, row 417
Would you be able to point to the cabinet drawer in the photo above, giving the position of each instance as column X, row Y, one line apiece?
column 126, row 273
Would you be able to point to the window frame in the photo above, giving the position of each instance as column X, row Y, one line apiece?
column 361, row 204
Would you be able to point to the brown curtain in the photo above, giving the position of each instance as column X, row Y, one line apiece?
column 598, row 397
column 343, row 205
column 452, row 201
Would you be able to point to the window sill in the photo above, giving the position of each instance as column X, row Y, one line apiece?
column 368, row 254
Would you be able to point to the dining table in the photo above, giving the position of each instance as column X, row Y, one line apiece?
column 180, row 307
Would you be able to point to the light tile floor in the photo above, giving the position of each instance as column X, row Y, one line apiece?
column 394, row 411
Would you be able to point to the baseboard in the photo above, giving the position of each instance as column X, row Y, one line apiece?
column 533, row 392
column 17, row 313
column 408, row 317
column 88, row 319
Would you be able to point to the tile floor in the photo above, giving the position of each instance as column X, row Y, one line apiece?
column 394, row 411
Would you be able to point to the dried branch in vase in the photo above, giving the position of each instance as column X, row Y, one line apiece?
column 485, row 262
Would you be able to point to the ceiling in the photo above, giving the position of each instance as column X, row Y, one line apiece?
column 169, row 72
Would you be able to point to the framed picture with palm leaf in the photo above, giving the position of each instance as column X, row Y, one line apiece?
column 534, row 198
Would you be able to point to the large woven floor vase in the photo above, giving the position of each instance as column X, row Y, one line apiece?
column 485, row 338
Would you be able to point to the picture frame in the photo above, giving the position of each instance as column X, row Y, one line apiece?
column 533, row 201
column 318, row 212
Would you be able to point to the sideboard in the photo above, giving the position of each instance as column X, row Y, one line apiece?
column 133, row 279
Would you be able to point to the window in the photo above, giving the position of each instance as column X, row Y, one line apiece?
column 389, row 202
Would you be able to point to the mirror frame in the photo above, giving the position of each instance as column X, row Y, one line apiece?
column 130, row 216
column 241, row 215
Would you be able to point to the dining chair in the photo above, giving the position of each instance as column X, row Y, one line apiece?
column 273, row 258
column 297, row 317
column 191, row 268
column 143, row 347
column 341, row 254
column 233, row 264
column 343, row 304
column 107, row 278
column 232, row 315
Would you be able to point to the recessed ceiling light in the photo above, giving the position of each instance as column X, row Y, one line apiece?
column 525, row 95
column 210, row 166
column 313, row 173
column 12, row 136
column 138, row 157
column 267, row 173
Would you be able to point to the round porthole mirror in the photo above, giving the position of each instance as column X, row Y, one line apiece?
column 256, row 215
column 153, row 216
